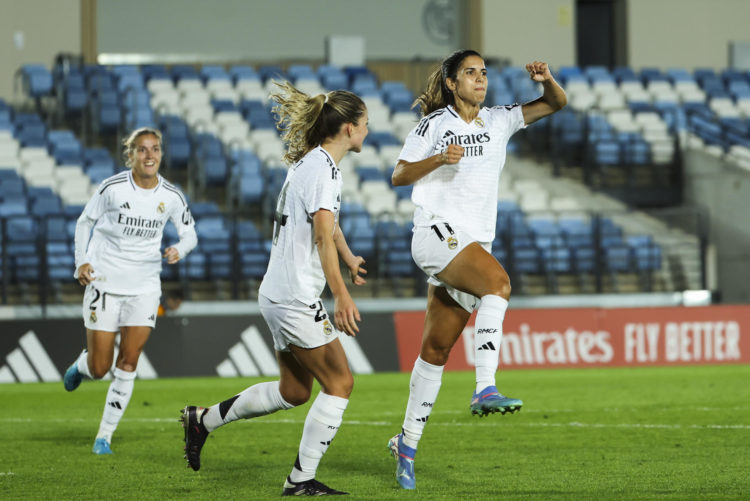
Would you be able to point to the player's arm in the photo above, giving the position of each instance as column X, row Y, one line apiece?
column 553, row 99
column 94, row 209
column 84, row 272
column 185, row 225
column 345, row 314
column 407, row 173
column 354, row 263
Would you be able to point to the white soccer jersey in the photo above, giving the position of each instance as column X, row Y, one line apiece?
column 464, row 194
column 294, row 269
column 128, row 221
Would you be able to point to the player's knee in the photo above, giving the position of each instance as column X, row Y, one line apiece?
column 296, row 397
column 347, row 385
column 435, row 354
column 127, row 366
column 340, row 386
column 99, row 369
column 500, row 287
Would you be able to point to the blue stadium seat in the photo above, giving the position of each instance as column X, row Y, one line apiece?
column 253, row 265
column 584, row 259
column 60, row 266
column 37, row 80
column 617, row 258
column 557, row 259
column 243, row 72
column 526, row 260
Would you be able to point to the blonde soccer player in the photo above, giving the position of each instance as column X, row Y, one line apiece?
column 120, row 263
column 454, row 157
column 307, row 244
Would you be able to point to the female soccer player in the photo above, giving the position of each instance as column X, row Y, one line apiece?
column 120, row 265
column 307, row 242
column 454, row 157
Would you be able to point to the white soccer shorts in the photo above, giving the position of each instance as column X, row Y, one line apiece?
column 434, row 247
column 298, row 324
column 107, row 312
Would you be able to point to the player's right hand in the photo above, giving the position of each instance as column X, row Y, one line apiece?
column 452, row 154
column 85, row 274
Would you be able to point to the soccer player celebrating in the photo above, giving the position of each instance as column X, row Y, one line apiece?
column 307, row 242
column 120, row 265
column 454, row 157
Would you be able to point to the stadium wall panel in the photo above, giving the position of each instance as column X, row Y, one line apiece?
column 599, row 337
column 240, row 345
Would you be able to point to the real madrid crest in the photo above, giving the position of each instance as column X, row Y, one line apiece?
column 161, row 208
column 479, row 122
column 92, row 318
column 452, row 243
column 327, row 328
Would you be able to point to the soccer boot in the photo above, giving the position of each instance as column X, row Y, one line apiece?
column 308, row 488
column 489, row 401
column 195, row 434
column 404, row 462
column 72, row 377
column 101, row 446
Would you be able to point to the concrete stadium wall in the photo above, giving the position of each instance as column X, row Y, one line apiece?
column 724, row 189
column 267, row 31
column 47, row 27
column 685, row 33
column 527, row 30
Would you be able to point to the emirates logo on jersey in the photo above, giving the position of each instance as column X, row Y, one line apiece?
column 472, row 143
column 161, row 208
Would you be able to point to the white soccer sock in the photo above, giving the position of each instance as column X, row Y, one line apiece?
column 424, row 387
column 321, row 424
column 118, row 396
column 488, row 334
column 258, row 400
column 83, row 364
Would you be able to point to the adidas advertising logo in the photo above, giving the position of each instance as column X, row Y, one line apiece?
column 29, row 363
column 115, row 404
column 487, row 346
column 252, row 357
column 249, row 357
column 422, row 419
column 126, row 205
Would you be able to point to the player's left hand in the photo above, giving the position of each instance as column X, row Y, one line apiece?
column 538, row 71
column 355, row 268
column 172, row 255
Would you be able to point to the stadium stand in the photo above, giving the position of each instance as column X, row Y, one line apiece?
column 623, row 128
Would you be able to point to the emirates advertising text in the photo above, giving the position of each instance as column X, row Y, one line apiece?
column 595, row 337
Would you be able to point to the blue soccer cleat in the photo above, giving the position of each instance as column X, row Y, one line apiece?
column 72, row 377
column 101, row 446
column 405, row 462
column 489, row 401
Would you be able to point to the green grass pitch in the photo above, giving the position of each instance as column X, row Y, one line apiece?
column 636, row 433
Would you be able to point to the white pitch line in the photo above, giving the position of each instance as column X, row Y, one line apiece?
column 355, row 422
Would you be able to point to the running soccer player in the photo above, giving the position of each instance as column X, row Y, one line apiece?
column 307, row 243
column 454, row 157
column 120, row 265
